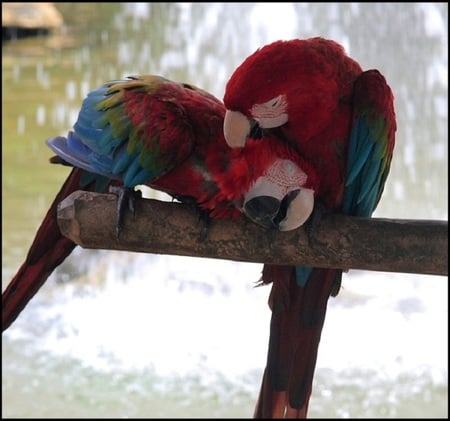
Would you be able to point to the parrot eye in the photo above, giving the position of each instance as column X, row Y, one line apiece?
column 274, row 102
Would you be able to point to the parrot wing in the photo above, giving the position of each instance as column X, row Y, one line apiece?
column 371, row 144
column 128, row 132
column 298, row 314
column 135, row 130
column 169, row 136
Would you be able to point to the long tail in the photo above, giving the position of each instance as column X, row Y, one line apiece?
column 298, row 315
column 47, row 251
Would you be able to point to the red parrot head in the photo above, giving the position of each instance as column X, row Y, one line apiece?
column 270, row 183
column 296, row 84
column 280, row 198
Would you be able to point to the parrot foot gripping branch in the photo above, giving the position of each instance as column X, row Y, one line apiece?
column 301, row 123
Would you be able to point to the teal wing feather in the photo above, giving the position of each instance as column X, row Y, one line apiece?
column 133, row 130
column 370, row 150
column 371, row 144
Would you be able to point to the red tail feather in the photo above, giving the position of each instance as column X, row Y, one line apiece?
column 298, row 315
column 48, row 250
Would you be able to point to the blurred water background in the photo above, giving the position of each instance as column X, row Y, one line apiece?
column 115, row 334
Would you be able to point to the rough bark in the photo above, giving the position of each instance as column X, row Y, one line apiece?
column 391, row 245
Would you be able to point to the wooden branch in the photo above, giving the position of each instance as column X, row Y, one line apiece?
column 410, row 246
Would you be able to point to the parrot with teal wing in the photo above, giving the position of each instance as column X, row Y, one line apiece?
column 310, row 95
column 151, row 131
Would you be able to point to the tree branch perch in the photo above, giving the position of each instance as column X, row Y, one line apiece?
column 391, row 245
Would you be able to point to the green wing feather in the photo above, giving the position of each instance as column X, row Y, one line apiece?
column 135, row 130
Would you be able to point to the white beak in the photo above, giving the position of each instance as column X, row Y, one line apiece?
column 236, row 127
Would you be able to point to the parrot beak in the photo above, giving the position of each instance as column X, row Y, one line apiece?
column 286, row 214
column 279, row 202
column 299, row 208
column 236, row 128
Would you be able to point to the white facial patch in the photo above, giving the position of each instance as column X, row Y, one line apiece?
column 272, row 113
column 285, row 174
column 282, row 179
column 279, row 179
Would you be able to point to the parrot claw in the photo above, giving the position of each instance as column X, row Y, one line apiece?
column 203, row 218
column 311, row 224
column 202, row 214
column 126, row 198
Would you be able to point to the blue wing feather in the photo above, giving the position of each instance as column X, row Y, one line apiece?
column 302, row 274
column 370, row 149
column 371, row 144
column 361, row 146
column 120, row 131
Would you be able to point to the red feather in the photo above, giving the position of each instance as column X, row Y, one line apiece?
column 309, row 94
column 47, row 251
column 165, row 119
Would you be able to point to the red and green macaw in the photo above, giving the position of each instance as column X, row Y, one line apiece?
column 313, row 97
column 152, row 131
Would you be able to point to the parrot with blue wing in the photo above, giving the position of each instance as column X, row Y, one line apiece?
column 310, row 95
column 151, row 131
